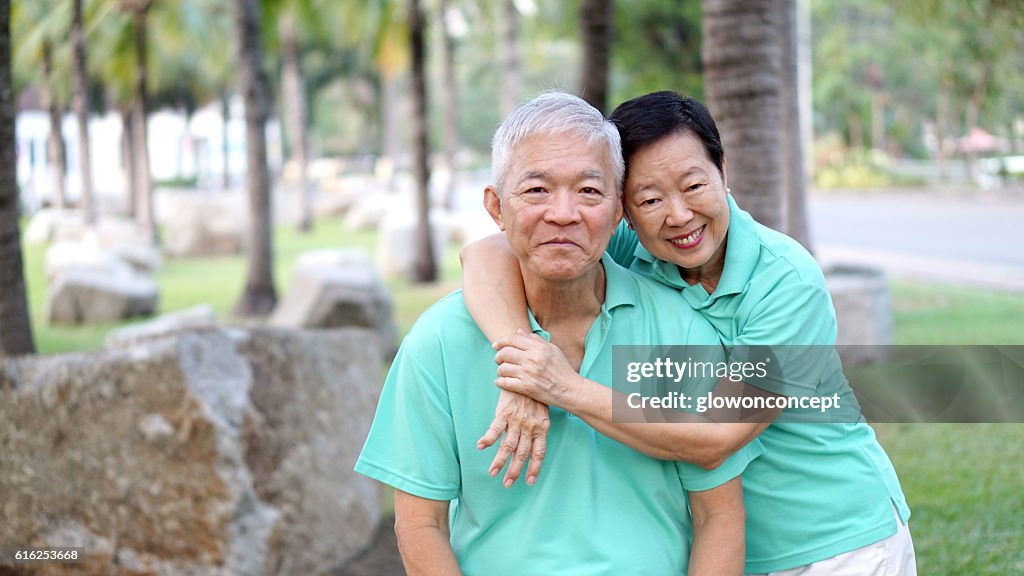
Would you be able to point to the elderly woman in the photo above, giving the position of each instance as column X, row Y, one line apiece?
column 824, row 497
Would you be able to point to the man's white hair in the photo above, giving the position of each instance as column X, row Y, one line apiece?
column 554, row 113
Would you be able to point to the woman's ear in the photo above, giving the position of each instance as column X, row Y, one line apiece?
column 725, row 176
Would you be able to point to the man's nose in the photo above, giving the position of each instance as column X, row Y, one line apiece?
column 564, row 208
column 679, row 212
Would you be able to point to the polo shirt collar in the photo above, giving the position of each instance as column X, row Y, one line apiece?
column 617, row 293
column 741, row 254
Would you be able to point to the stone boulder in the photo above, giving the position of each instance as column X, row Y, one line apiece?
column 50, row 224
column 202, row 224
column 396, row 241
column 205, row 453
column 334, row 288
column 91, row 296
column 367, row 211
column 64, row 257
column 201, row 316
column 863, row 312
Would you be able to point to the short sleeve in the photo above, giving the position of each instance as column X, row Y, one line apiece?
column 697, row 479
column 792, row 330
column 622, row 247
column 411, row 444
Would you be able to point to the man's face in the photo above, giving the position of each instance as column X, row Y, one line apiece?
column 559, row 207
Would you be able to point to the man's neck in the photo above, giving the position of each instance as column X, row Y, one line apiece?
column 566, row 310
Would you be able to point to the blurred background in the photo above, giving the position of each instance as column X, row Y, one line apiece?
column 211, row 164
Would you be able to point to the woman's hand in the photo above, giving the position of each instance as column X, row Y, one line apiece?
column 525, row 423
column 534, row 367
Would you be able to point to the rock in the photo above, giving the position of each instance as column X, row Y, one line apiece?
column 86, row 296
column 396, row 242
column 471, row 225
column 64, row 257
column 863, row 312
column 198, row 453
column 203, row 224
column 201, row 316
column 335, row 288
column 366, row 212
column 49, row 224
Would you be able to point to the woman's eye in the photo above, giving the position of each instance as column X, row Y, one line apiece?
column 695, row 187
column 650, row 201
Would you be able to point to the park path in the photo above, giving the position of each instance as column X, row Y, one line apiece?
column 973, row 240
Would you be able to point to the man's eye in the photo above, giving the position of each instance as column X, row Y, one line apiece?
column 589, row 190
column 536, row 190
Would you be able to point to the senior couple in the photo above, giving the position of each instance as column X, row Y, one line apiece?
column 543, row 305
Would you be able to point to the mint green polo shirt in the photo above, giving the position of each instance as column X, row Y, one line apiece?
column 598, row 507
column 819, row 489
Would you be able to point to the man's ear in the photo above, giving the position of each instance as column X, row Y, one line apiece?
column 492, row 203
column 619, row 213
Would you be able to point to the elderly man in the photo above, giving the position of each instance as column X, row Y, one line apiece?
column 601, row 507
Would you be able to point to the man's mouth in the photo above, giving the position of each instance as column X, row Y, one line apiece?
column 689, row 240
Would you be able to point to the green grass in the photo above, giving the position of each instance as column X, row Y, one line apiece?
column 964, row 482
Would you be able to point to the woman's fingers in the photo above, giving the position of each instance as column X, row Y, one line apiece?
column 506, row 448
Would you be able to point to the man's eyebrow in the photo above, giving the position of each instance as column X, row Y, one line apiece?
column 590, row 174
column 534, row 175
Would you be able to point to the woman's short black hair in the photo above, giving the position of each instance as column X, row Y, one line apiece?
column 645, row 120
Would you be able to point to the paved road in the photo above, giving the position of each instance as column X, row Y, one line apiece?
column 971, row 240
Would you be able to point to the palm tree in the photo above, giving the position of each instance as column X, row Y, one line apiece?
column 38, row 28
column 596, row 32
column 450, row 95
column 508, row 47
column 293, row 91
column 139, row 9
column 15, row 326
column 259, row 296
column 794, row 92
column 80, row 103
column 742, row 81
column 424, row 269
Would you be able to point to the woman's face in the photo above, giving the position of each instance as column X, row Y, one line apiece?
column 676, row 200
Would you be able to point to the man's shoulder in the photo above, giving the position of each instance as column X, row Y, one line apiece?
column 445, row 323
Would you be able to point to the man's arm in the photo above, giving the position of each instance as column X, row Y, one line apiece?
column 421, row 526
column 718, row 530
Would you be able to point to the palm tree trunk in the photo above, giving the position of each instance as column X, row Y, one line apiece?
column 55, row 142
column 295, row 112
column 131, row 179
column 450, row 94
column 794, row 176
column 140, row 136
column 80, row 102
column 508, row 46
column 596, row 31
column 15, row 326
column 742, row 80
column 225, row 114
column 259, row 296
column 424, row 269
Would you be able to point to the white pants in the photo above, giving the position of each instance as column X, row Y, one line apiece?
column 893, row 556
